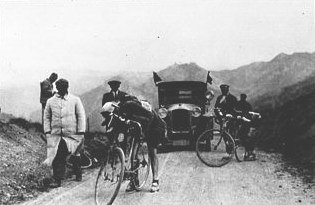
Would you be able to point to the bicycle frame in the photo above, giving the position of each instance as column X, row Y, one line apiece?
column 223, row 128
column 123, row 160
column 114, row 141
column 210, row 148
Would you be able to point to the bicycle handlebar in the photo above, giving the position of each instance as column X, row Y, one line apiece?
column 230, row 116
column 127, row 121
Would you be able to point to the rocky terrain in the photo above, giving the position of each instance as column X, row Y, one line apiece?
column 22, row 151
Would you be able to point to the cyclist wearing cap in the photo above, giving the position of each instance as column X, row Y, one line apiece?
column 115, row 95
column 226, row 101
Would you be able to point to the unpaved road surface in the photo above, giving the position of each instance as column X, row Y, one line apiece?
column 185, row 180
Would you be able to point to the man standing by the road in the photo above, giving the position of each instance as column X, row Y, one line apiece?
column 46, row 91
column 115, row 95
column 64, row 126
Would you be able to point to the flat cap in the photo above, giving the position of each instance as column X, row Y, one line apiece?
column 114, row 82
column 224, row 86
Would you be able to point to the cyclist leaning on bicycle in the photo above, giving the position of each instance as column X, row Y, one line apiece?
column 154, row 129
column 228, row 104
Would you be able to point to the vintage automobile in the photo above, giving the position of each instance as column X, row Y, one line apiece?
column 183, row 106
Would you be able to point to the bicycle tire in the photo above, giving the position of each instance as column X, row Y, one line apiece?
column 109, row 180
column 239, row 150
column 215, row 149
column 141, row 164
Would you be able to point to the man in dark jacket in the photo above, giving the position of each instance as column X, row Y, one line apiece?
column 226, row 101
column 243, row 105
column 247, row 128
column 46, row 91
column 154, row 129
column 115, row 95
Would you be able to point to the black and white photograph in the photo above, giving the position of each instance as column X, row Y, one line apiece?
column 157, row 102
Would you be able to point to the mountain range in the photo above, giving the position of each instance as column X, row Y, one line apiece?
column 258, row 80
column 282, row 89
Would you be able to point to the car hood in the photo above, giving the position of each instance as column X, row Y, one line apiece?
column 184, row 106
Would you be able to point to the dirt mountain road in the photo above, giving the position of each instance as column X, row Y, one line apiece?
column 185, row 180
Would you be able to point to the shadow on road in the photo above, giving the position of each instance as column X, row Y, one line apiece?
column 175, row 148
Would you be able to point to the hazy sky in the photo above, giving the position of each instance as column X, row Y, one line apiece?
column 37, row 37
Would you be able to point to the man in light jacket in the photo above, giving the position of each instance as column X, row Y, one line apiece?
column 64, row 126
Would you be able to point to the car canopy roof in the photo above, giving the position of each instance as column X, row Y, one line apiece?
column 192, row 92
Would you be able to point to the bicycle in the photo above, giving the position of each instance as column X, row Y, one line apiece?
column 117, row 166
column 216, row 147
column 87, row 161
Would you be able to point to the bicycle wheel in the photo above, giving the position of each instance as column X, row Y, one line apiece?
column 215, row 148
column 239, row 150
column 110, row 177
column 141, row 164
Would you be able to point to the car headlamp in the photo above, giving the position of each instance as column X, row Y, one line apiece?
column 196, row 112
column 162, row 112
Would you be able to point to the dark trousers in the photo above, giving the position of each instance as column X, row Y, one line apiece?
column 246, row 138
column 59, row 163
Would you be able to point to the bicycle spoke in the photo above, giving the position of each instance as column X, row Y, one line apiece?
column 109, row 178
column 141, row 165
column 214, row 149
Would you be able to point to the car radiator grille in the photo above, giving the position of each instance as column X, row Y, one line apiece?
column 180, row 120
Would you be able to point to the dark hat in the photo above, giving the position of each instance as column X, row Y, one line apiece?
column 243, row 95
column 224, row 86
column 114, row 82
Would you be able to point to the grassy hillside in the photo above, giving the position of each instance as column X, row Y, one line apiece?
column 289, row 122
column 22, row 151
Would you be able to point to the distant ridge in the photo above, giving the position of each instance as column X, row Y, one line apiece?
column 255, row 79
column 259, row 78
column 184, row 72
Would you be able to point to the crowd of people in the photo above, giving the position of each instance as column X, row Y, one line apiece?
column 64, row 124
